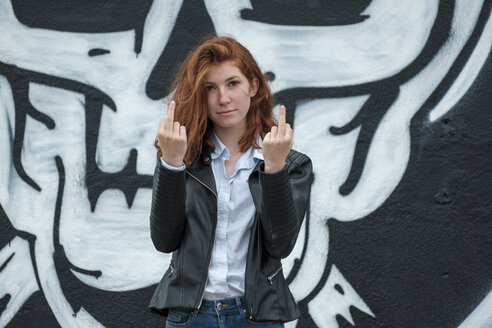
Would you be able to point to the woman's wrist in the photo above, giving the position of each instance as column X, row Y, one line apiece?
column 274, row 168
column 176, row 162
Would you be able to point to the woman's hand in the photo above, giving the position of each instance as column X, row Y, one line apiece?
column 172, row 138
column 277, row 144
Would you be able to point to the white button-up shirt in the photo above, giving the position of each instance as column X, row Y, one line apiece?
column 236, row 212
column 235, row 215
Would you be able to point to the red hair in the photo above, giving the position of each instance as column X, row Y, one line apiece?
column 191, row 97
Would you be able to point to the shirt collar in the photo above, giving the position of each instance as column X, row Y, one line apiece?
column 222, row 151
column 258, row 153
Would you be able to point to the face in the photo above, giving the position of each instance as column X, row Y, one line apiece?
column 229, row 97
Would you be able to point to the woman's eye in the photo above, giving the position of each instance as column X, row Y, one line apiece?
column 233, row 83
column 210, row 87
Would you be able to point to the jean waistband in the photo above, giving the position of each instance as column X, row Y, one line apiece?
column 224, row 305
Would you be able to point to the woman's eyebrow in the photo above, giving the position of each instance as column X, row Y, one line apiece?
column 228, row 79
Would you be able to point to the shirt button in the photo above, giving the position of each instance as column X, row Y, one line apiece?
column 219, row 306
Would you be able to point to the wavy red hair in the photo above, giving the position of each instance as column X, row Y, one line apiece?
column 191, row 97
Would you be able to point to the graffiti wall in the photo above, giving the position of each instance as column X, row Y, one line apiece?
column 390, row 99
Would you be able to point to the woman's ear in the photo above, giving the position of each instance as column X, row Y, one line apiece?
column 253, row 88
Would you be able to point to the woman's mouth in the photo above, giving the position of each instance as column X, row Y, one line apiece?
column 227, row 112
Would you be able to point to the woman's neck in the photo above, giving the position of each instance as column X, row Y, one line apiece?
column 230, row 138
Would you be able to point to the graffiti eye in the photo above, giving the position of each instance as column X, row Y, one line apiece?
column 92, row 16
column 307, row 13
column 89, row 16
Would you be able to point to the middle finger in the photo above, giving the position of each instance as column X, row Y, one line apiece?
column 281, row 121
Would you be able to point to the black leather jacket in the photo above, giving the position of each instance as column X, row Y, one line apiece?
column 183, row 219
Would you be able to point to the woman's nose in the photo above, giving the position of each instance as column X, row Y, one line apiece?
column 224, row 97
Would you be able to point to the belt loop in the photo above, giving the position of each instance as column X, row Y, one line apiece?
column 238, row 303
column 240, row 306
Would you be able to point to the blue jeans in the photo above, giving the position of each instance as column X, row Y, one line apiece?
column 227, row 313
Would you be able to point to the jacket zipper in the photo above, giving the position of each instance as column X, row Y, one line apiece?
column 255, row 170
column 210, row 259
column 274, row 274
column 171, row 268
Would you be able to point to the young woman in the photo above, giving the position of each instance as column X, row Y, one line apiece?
column 229, row 195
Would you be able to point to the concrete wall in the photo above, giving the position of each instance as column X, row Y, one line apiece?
column 390, row 99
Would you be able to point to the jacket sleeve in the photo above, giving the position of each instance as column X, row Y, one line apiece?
column 284, row 200
column 167, row 213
